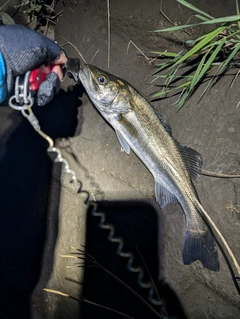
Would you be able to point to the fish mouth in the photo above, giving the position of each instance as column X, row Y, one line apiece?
column 84, row 73
column 86, row 78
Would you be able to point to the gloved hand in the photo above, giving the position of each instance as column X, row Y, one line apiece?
column 25, row 49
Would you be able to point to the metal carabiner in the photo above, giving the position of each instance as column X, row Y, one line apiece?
column 22, row 99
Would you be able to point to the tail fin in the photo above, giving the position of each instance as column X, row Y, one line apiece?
column 200, row 247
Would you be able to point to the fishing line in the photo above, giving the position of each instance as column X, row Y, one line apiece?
column 128, row 255
column 27, row 112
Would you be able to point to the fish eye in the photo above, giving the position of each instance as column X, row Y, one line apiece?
column 102, row 79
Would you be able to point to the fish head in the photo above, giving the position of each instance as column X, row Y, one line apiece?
column 109, row 93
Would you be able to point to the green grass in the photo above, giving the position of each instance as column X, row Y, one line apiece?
column 209, row 56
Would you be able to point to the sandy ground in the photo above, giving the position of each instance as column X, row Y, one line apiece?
column 42, row 220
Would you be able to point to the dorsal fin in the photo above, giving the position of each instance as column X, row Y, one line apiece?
column 191, row 157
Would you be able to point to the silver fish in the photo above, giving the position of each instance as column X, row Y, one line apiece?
column 141, row 128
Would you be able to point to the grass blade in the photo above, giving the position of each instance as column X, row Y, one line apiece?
column 192, row 7
column 176, row 28
column 166, row 54
column 202, row 53
column 237, row 9
column 184, row 85
column 224, row 20
column 197, row 72
column 209, row 62
column 192, row 42
column 200, row 17
column 211, row 35
column 163, row 67
column 166, row 65
column 227, row 19
column 161, row 93
column 172, row 75
column 184, row 95
column 207, row 87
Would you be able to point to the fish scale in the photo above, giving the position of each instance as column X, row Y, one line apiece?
column 141, row 128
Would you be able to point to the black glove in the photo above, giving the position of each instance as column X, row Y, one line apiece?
column 48, row 89
column 23, row 50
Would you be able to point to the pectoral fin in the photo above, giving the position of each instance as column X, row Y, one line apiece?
column 124, row 145
column 129, row 129
column 163, row 196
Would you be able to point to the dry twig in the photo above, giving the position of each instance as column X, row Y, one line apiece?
column 94, row 56
column 72, row 45
column 1, row 8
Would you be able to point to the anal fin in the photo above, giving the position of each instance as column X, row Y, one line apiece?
column 163, row 196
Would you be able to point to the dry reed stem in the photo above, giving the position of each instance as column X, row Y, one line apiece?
column 109, row 32
column 57, row 292
column 214, row 174
column 235, row 77
column 131, row 42
column 224, row 242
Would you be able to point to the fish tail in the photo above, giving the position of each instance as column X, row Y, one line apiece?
column 200, row 246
